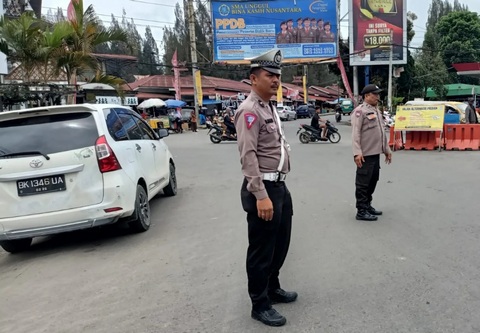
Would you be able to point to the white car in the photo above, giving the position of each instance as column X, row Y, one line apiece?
column 286, row 113
column 71, row 167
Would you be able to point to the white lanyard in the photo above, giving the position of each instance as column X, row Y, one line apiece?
column 282, row 140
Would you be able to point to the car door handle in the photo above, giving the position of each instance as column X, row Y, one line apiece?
column 138, row 147
column 154, row 147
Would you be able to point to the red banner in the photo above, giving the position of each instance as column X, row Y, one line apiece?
column 176, row 75
column 345, row 78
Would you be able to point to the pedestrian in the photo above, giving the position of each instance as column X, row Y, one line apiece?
column 369, row 141
column 193, row 122
column 264, row 156
column 471, row 113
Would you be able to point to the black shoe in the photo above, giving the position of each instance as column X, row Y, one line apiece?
column 373, row 211
column 282, row 296
column 269, row 317
column 365, row 216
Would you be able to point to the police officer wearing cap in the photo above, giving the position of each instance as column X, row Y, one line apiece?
column 369, row 141
column 265, row 160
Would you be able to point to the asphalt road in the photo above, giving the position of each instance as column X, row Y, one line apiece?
column 414, row 270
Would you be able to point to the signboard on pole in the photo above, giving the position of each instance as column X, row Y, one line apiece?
column 420, row 118
column 305, row 30
column 198, row 87
column 374, row 26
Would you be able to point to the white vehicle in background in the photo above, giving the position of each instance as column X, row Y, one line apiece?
column 286, row 113
column 71, row 167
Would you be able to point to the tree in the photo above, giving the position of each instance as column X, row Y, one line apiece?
column 149, row 58
column 19, row 41
column 459, row 37
column 86, row 33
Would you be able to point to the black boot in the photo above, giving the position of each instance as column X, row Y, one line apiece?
column 364, row 215
column 269, row 317
column 373, row 211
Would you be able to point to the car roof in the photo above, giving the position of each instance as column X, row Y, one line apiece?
column 60, row 108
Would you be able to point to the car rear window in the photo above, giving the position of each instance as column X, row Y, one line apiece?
column 48, row 134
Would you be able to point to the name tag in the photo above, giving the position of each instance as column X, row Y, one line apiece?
column 371, row 116
column 269, row 121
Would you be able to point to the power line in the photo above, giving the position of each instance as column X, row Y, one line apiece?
column 116, row 16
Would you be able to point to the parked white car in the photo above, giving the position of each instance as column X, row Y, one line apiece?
column 71, row 167
column 286, row 113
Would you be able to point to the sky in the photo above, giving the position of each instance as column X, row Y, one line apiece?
column 160, row 13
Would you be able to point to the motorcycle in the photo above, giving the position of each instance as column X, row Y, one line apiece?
column 338, row 116
column 216, row 134
column 308, row 133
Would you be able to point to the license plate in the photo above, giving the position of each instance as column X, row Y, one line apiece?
column 41, row 185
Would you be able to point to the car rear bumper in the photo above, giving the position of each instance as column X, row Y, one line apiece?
column 55, row 229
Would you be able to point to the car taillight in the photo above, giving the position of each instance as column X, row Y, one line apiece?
column 107, row 161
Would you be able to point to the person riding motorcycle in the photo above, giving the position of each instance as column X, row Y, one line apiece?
column 227, row 120
column 318, row 123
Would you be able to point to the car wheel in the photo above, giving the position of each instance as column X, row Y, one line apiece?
column 171, row 189
column 141, row 221
column 16, row 245
column 288, row 118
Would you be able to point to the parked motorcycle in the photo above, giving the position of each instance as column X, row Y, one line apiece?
column 216, row 134
column 308, row 133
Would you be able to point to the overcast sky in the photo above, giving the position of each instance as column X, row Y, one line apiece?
column 159, row 13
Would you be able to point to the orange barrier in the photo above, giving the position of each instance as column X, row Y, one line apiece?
column 423, row 140
column 462, row 137
column 396, row 139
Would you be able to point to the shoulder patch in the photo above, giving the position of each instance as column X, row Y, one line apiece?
column 250, row 119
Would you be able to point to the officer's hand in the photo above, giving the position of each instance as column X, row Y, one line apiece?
column 388, row 158
column 265, row 209
column 359, row 160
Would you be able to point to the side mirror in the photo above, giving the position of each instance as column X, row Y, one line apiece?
column 163, row 133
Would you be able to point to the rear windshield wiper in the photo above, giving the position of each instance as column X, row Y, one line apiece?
column 25, row 153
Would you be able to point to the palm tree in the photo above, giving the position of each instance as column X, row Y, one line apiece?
column 86, row 33
column 19, row 40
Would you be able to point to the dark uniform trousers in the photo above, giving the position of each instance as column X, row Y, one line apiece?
column 366, row 181
column 268, row 242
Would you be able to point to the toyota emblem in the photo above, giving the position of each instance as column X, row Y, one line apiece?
column 36, row 164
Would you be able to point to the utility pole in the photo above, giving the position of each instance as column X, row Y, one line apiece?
column 193, row 50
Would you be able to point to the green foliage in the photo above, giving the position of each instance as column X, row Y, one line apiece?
column 459, row 37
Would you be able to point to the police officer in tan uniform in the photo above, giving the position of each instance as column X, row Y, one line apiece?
column 264, row 155
column 369, row 141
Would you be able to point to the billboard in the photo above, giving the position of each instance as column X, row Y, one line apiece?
column 305, row 30
column 374, row 26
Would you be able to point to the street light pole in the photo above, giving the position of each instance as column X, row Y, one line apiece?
column 390, row 70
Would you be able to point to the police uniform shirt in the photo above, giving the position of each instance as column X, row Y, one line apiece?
column 327, row 37
column 259, row 143
column 307, row 36
column 368, row 135
column 284, row 37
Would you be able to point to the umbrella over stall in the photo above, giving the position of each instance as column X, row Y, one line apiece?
column 174, row 103
column 151, row 103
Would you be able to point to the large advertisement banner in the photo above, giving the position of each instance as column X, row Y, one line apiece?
column 305, row 30
column 374, row 26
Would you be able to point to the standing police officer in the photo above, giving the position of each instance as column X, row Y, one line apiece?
column 264, row 155
column 369, row 141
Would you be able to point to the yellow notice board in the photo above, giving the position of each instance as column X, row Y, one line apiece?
column 419, row 118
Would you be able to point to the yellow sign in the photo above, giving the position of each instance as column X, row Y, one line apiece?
column 198, row 87
column 419, row 118
column 280, row 94
column 305, row 91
